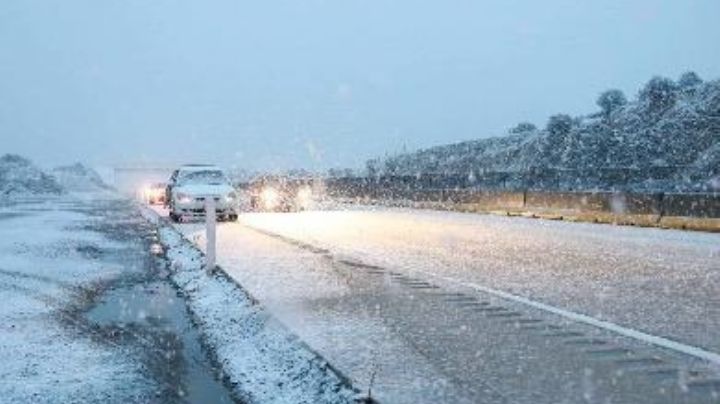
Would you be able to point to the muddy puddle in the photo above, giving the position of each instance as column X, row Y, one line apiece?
column 147, row 313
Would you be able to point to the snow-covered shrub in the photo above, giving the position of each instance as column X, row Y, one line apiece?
column 659, row 94
column 610, row 100
column 688, row 80
column 637, row 148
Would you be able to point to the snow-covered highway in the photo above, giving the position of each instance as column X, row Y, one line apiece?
column 436, row 306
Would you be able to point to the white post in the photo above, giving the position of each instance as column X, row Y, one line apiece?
column 210, row 233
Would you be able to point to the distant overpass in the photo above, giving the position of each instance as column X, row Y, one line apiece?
column 130, row 178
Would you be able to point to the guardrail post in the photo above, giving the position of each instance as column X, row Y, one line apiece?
column 210, row 234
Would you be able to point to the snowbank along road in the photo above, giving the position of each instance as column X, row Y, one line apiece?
column 433, row 306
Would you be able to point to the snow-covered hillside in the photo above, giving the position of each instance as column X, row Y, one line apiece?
column 668, row 138
column 19, row 176
column 78, row 177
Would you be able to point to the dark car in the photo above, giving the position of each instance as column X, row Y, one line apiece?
column 279, row 194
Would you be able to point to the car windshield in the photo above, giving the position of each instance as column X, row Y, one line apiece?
column 212, row 177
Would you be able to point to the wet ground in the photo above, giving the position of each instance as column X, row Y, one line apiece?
column 147, row 313
column 144, row 311
column 89, row 313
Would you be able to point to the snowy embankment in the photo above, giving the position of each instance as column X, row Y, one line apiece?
column 19, row 177
column 260, row 358
column 79, row 178
column 666, row 140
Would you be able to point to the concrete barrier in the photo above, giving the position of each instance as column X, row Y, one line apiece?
column 612, row 202
column 406, row 191
column 707, row 206
column 567, row 201
column 498, row 199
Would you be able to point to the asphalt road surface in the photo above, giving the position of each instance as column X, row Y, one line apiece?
column 424, row 306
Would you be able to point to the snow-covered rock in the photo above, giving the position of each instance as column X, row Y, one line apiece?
column 79, row 178
column 19, row 176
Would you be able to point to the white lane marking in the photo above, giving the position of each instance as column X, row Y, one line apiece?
column 700, row 353
column 666, row 343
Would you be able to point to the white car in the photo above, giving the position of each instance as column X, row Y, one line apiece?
column 192, row 184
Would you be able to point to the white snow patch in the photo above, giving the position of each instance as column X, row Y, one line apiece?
column 40, row 267
column 263, row 360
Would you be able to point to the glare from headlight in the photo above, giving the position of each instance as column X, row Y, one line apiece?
column 270, row 197
column 230, row 197
column 145, row 192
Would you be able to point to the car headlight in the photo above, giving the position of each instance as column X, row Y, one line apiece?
column 145, row 192
column 183, row 198
column 270, row 197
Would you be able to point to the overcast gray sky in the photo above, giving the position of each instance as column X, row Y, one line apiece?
column 319, row 83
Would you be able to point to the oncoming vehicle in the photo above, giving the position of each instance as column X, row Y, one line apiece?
column 279, row 194
column 192, row 184
column 155, row 193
